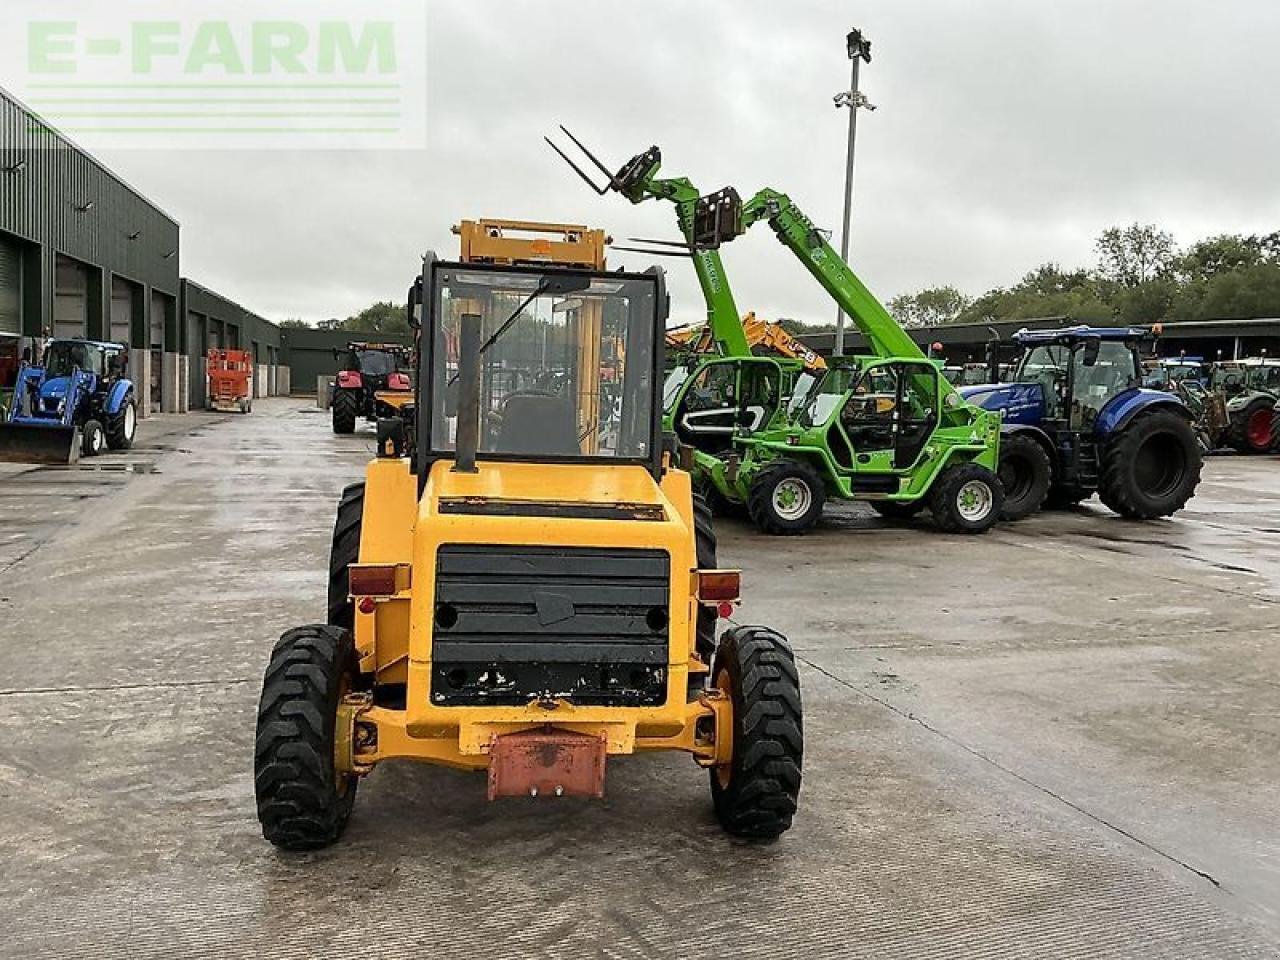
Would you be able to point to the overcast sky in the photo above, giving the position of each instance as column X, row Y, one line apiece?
column 1009, row 132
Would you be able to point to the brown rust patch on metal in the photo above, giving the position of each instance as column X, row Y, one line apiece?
column 547, row 762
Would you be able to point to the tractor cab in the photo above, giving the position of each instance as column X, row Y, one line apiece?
column 1080, row 371
column 1251, row 375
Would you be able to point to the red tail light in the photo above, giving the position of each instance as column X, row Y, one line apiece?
column 717, row 586
column 373, row 581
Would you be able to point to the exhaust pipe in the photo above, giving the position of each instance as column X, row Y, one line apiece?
column 467, row 438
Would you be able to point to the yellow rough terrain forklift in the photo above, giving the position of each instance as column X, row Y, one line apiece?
column 535, row 589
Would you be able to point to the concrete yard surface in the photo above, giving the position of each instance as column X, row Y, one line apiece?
column 1059, row 740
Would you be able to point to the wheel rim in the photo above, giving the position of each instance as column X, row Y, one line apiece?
column 792, row 498
column 95, row 441
column 130, row 422
column 1160, row 465
column 724, row 771
column 1259, row 429
column 974, row 500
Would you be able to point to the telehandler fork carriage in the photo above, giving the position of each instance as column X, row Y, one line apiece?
column 534, row 592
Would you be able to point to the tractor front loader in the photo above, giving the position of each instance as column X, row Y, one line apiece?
column 534, row 592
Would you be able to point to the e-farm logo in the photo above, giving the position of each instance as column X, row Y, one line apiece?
column 319, row 74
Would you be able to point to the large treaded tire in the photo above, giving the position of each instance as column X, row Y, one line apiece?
column 704, row 533
column 1025, row 473
column 303, row 802
column 344, row 552
column 760, row 500
column 1161, row 441
column 756, row 795
column 949, row 490
column 1241, row 435
column 122, row 428
column 345, row 409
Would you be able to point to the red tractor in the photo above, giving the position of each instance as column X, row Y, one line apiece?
column 374, row 382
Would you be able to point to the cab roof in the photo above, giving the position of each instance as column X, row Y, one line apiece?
column 1068, row 336
column 104, row 344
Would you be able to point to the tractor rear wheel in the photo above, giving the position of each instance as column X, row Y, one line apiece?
column 1250, row 429
column 122, row 427
column 1152, row 467
column 966, row 498
column 93, row 440
column 755, row 794
column 303, row 801
column 345, row 409
column 786, row 498
column 1025, row 473
column 705, row 540
column 897, row 509
column 344, row 552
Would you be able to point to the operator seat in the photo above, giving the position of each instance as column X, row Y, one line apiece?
column 533, row 424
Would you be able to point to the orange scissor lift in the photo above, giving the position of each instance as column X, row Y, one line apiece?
column 230, row 378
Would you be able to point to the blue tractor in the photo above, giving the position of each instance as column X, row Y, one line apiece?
column 76, row 401
column 1078, row 421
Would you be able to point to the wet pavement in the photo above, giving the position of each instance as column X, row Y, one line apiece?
column 1058, row 740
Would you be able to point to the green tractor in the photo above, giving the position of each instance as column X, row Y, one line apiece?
column 1249, row 388
column 886, row 428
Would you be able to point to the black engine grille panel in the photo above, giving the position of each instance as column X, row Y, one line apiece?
column 517, row 623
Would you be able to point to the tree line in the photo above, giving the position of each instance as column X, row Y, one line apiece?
column 1140, row 277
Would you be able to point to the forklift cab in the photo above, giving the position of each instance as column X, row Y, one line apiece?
column 544, row 386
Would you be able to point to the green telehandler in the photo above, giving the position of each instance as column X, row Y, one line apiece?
column 886, row 428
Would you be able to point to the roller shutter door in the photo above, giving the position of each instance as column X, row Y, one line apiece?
column 10, row 287
column 121, row 312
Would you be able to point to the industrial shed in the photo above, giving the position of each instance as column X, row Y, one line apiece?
column 82, row 254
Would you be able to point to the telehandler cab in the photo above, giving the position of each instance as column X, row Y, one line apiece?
column 536, row 590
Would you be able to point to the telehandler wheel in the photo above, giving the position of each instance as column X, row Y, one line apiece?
column 121, row 428
column 92, row 439
column 303, row 802
column 786, row 498
column 755, row 794
column 345, row 409
column 897, row 509
column 1025, row 473
column 1151, row 468
column 966, row 498
column 705, row 539
column 344, row 552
